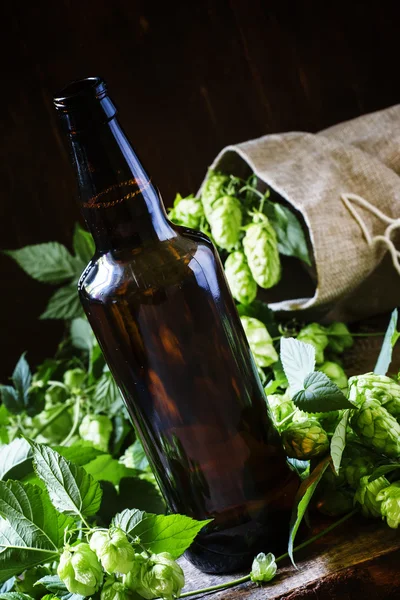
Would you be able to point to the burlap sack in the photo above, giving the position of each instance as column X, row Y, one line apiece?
column 355, row 276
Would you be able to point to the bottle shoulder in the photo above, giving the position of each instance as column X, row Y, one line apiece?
column 158, row 264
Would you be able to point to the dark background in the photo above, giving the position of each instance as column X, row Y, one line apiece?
column 188, row 78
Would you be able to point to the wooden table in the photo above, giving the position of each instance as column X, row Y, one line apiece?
column 358, row 560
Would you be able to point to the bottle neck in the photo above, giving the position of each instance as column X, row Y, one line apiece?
column 121, row 206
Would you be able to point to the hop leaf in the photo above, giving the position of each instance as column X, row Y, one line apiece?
column 263, row 568
column 80, row 570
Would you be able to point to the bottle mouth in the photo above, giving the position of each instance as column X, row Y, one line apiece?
column 81, row 90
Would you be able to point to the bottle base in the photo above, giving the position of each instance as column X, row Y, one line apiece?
column 234, row 550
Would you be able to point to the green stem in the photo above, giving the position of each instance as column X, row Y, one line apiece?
column 59, row 412
column 75, row 423
column 221, row 586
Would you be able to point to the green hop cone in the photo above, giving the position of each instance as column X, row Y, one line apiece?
column 161, row 577
column 57, row 430
column 74, row 379
column 225, row 221
column 282, row 409
column 213, row 188
column 260, row 342
column 339, row 337
column 113, row 550
column 261, row 249
column 377, row 387
column 96, row 429
column 132, row 579
column 305, row 440
column 315, row 335
column 115, row 590
column 187, row 212
column 390, row 504
column 356, row 468
column 80, row 570
column 263, row 568
column 377, row 428
column 240, row 280
column 335, row 374
column 366, row 495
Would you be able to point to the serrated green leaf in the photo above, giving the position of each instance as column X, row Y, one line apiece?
column 10, row 399
column 15, row 459
column 160, row 533
column 31, row 530
column 81, row 453
column 22, row 380
column 63, row 304
column 57, row 587
column 106, row 393
column 15, row 596
column 50, row 262
column 298, row 360
column 391, row 337
column 290, row 234
column 107, row 468
column 302, row 500
column 71, row 489
column 383, row 470
column 128, row 519
column 83, row 244
column 320, row 394
column 301, row 467
column 338, row 441
column 82, row 336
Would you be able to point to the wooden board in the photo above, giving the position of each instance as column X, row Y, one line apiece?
column 358, row 560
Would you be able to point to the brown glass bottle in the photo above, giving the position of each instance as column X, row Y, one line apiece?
column 157, row 300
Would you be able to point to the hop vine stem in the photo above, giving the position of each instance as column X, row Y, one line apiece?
column 235, row 582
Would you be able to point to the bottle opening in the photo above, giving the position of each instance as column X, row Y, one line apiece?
column 80, row 90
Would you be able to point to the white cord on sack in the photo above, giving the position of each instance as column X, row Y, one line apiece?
column 349, row 199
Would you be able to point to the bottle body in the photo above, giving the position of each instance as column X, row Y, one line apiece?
column 158, row 302
column 173, row 340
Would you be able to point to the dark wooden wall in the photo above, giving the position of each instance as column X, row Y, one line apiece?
column 189, row 77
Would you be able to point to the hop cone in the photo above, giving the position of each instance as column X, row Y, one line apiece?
column 390, row 504
column 80, row 570
column 96, row 429
column 377, row 428
column 261, row 249
column 263, row 568
column 339, row 337
column 212, row 190
column 113, row 550
column 240, row 280
column 260, row 341
column 161, row 577
column 187, row 212
column 305, row 440
column 282, row 408
column 357, row 462
column 367, row 493
column 315, row 335
column 378, row 387
column 225, row 221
